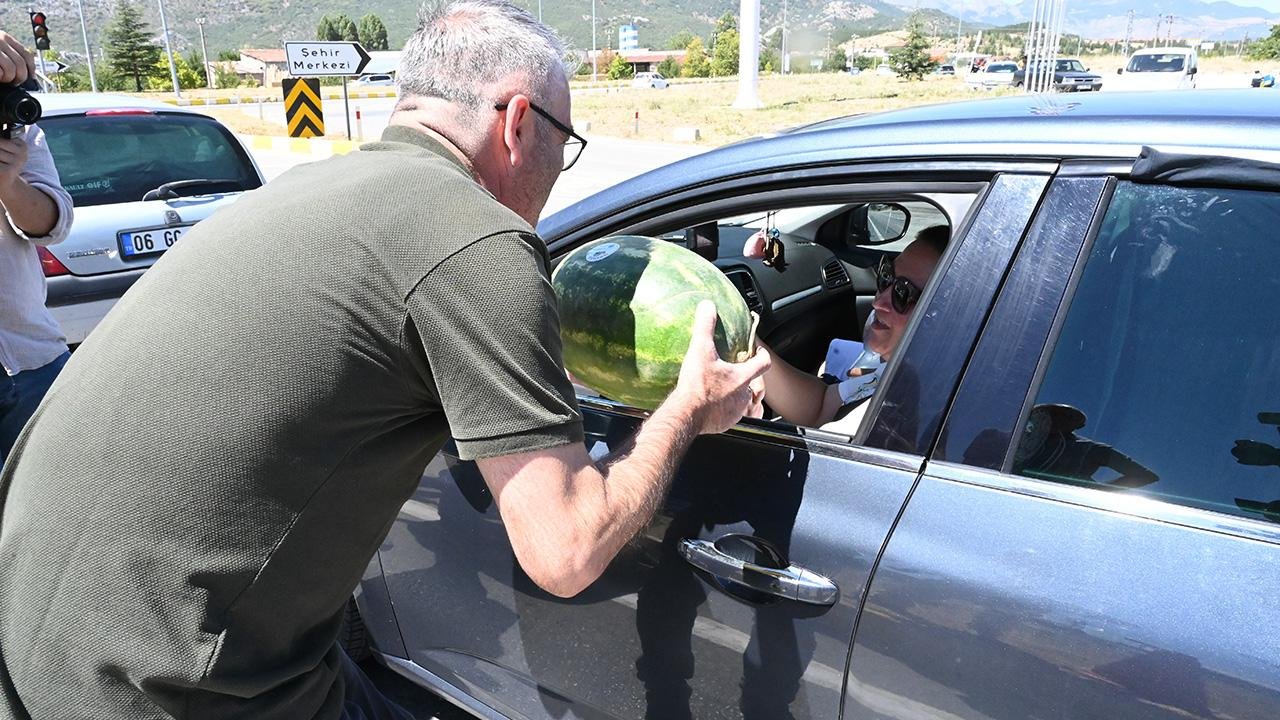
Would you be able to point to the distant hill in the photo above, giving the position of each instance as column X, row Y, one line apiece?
column 1108, row 19
column 234, row 24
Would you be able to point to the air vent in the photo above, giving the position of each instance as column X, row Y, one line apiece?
column 747, row 288
column 834, row 275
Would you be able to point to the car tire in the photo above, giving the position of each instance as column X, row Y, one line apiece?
column 353, row 637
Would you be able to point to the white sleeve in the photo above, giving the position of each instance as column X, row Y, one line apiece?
column 41, row 174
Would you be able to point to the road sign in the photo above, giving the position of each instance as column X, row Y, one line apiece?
column 49, row 67
column 315, row 58
column 303, row 110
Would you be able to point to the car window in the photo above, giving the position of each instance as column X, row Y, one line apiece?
column 1164, row 62
column 1166, row 374
column 1002, row 68
column 107, row 159
column 1070, row 66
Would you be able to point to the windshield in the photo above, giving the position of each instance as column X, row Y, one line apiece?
column 1002, row 68
column 108, row 159
column 1070, row 66
column 1164, row 62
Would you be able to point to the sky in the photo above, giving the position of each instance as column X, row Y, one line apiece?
column 1271, row 5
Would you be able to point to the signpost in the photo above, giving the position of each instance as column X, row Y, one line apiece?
column 331, row 59
column 303, row 110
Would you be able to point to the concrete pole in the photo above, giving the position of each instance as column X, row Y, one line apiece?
column 88, row 56
column 168, row 51
column 208, row 78
column 748, row 55
column 595, row 65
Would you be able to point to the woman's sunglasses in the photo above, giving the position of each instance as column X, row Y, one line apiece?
column 904, row 293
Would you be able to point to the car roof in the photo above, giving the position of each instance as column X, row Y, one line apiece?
column 1031, row 127
column 1164, row 51
column 76, row 103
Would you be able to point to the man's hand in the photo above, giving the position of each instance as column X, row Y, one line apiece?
column 718, row 393
column 13, row 157
column 754, row 246
column 16, row 62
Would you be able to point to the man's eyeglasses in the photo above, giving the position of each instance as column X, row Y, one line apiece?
column 904, row 292
column 573, row 145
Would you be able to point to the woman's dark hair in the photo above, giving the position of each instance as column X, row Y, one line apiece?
column 936, row 238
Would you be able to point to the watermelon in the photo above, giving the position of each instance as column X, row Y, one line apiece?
column 627, row 305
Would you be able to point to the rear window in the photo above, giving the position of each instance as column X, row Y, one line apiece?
column 109, row 159
column 1003, row 68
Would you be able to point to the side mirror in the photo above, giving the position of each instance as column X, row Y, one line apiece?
column 878, row 223
column 1193, row 70
column 1119, row 71
column 704, row 240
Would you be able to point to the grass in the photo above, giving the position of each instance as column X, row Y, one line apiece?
column 611, row 108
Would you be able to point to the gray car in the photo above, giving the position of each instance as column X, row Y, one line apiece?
column 1064, row 501
column 140, row 173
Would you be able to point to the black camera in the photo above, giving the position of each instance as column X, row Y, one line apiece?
column 17, row 108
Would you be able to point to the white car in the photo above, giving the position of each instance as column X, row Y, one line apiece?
column 884, row 70
column 140, row 173
column 992, row 75
column 1161, row 68
column 649, row 80
column 375, row 81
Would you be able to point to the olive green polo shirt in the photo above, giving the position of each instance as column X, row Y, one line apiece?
column 200, row 492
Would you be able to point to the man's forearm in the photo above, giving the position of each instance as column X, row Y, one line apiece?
column 31, row 210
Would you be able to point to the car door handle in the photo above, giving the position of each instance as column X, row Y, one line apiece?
column 791, row 582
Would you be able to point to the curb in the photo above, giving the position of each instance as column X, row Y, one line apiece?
column 246, row 99
column 318, row 148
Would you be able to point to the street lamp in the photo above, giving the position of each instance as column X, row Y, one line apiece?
column 173, row 69
column 208, row 79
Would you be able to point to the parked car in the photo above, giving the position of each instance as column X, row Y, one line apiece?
column 885, row 70
column 992, row 75
column 375, row 81
column 1069, row 75
column 855, row 70
column 1046, row 512
column 1162, row 68
column 945, row 69
column 649, row 80
column 140, row 173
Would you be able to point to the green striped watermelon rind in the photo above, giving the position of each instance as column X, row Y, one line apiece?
column 627, row 305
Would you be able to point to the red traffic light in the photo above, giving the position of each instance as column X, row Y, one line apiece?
column 40, row 30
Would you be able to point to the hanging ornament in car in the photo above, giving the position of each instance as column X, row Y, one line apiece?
column 775, row 255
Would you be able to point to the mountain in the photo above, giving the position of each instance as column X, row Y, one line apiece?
column 1099, row 19
column 233, row 24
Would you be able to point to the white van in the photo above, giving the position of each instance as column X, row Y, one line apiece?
column 1166, row 68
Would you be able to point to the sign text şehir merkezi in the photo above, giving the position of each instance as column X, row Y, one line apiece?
column 325, row 58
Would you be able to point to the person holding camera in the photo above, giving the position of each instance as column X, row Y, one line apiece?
column 37, row 211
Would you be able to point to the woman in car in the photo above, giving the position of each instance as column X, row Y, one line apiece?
column 805, row 399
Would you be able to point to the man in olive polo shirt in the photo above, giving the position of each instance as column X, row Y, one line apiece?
column 190, row 508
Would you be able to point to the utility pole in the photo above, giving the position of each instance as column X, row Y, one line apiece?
column 1159, row 21
column 208, row 79
column 1128, row 33
column 595, row 65
column 168, row 51
column 786, row 62
column 88, row 55
column 748, row 55
column 1169, row 30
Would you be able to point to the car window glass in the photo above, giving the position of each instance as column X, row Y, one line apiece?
column 108, row 159
column 1166, row 62
column 1166, row 374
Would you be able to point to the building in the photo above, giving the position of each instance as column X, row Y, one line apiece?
column 267, row 66
column 628, row 38
column 641, row 60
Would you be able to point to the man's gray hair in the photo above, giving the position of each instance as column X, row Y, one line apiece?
column 463, row 47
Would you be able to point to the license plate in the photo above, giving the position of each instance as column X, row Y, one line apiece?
column 1085, row 88
column 149, row 241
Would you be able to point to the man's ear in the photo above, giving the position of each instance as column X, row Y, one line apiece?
column 518, row 130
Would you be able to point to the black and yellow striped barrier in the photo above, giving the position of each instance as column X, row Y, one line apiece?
column 304, row 112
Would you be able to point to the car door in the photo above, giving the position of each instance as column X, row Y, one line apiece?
column 691, row 619
column 1095, row 533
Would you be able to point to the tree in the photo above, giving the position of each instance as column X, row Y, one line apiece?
column 912, row 61
column 327, row 31
column 680, row 40
column 1268, row 48
column 669, row 67
column 620, row 69
column 696, row 63
column 724, row 54
column 837, row 61
column 770, row 60
column 196, row 60
column 373, row 34
column 724, row 23
column 604, row 59
column 130, row 52
column 188, row 76
column 346, row 27
column 228, row 55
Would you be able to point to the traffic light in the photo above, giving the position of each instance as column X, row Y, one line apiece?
column 40, row 29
